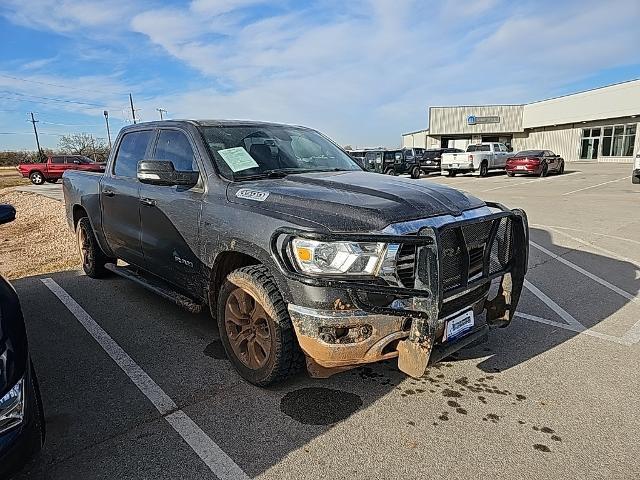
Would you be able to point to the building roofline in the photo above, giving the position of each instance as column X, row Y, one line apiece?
column 585, row 91
column 416, row 131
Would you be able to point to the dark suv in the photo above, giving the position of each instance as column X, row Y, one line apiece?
column 431, row 158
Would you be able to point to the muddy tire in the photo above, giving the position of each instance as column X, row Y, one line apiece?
column 91, row 255
column 36, row 178
column 255, row 327
column 415, row 173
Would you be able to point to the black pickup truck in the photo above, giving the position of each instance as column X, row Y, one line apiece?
column 300, row 255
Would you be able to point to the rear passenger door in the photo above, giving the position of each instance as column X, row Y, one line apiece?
column 56, row 167
column 170, row 216
column 119, row 197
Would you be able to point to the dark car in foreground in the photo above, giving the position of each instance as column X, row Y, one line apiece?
column 21, row 414
column 300, row 255
column 54, row 166
column 535, row 162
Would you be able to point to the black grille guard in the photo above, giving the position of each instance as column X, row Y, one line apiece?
column 428, row 286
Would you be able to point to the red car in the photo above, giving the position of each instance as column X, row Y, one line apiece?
column 535, row 162
column 51, row 170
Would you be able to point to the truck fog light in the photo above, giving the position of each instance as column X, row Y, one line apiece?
column 342, row 335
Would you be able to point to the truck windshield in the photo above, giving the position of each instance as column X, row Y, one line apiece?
column 253, row 151
column 479, row 148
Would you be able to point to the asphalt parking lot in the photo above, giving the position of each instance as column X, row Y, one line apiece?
column 554, row 395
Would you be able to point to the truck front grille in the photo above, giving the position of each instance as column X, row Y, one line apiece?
column 467, row 253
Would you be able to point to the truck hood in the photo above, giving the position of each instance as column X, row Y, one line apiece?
column 350, row 201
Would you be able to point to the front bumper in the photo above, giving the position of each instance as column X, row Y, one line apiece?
column 354, row 329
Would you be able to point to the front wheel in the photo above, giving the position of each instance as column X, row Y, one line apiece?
column 544, row 171
column 36, row 178
column 415, row 173
column 389, row 171
column 255, row 327
column 561, row 171
column 91, row 255
column 510, row 174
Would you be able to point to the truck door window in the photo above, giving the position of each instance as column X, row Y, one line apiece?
column 57, row 159
column 132, row 149
column 174, row 146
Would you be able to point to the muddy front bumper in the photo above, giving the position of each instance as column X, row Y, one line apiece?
column 474, row 261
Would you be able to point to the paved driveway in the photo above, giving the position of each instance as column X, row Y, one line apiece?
column 51, row 190
column 135, row 388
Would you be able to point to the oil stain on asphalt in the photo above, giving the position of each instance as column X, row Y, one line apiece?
column 319, row 406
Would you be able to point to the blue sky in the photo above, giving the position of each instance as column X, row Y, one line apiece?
column 362, row 71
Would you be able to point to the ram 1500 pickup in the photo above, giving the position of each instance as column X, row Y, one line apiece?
column 300, row 255
column 480, row 158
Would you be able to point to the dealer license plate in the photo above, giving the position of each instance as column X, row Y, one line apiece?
column 455, row 165
column 457, row 326
column 521, row 167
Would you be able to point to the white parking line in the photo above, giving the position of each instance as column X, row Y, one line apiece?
column 566, row 316
column 211, row 454
column 546, row 179
column 622, row 341
column 595, row 278
column 594, row 186
column 584, row 231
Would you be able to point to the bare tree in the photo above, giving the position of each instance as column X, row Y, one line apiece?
column 84, row 144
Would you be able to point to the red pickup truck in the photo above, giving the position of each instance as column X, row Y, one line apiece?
column 52, row 170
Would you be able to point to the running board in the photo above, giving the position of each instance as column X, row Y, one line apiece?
column 157, row 286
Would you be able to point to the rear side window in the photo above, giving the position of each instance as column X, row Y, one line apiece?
column 132, row 149
column 57, row 159
column 174, row 146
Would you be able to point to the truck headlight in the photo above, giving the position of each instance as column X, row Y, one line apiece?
column 12, row 407
column 337, row 258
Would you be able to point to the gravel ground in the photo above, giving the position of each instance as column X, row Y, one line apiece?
column 38, row 241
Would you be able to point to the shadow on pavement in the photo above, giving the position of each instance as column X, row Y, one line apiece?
column 92, row 409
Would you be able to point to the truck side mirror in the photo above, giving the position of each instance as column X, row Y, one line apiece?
column 162, row 172
column 7, row 213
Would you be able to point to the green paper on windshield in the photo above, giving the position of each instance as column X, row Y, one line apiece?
column 237, row 158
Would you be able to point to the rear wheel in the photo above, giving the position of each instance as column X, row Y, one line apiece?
column 36, row 178
column 389, row 171
column 92, row 257
column 545, row 170
column 255, row 327
column 484, row 169
column 510, row 174
column 451, row 173
column 561, row 171
column 415, row 173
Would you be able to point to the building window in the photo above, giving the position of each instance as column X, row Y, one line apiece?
column 616, row 141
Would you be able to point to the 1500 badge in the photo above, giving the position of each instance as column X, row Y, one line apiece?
column 249, row 194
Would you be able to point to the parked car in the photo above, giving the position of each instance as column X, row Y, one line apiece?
column 480, row 157
column 380, row 160
column 22, row 427
column 302, row 257
column 635, row 175
column 431, row 158
column 535, row 162
column 52, row 169
column 358, row 156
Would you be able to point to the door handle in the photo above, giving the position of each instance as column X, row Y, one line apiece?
column 108, row 193
column 150, row 202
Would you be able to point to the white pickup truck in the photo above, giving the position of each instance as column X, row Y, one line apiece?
column 479, row 157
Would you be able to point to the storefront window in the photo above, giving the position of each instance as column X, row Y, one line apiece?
column 616, row 140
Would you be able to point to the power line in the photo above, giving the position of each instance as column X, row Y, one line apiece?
column 57, row 85
column 53, row 99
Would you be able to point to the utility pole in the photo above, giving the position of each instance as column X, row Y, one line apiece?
column 133, row 112
column 106, row 119
column 35, row 130
column 161, row 110
column 93, row 147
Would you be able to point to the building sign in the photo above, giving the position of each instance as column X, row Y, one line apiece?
column 473, row 120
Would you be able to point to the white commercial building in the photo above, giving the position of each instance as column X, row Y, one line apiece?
column 599, row 125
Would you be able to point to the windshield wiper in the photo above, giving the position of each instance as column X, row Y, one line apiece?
column 283, row 172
